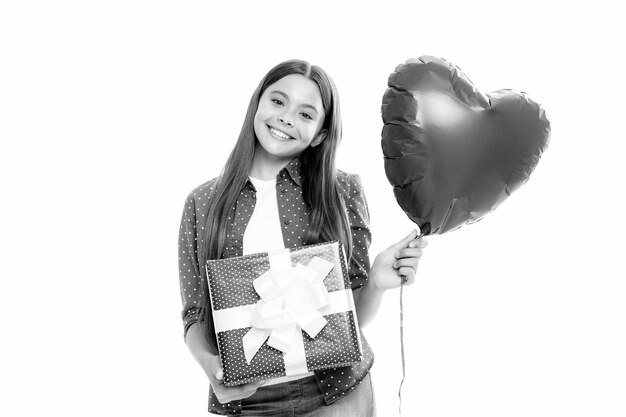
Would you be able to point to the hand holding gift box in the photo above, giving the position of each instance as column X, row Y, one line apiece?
column 283, row 313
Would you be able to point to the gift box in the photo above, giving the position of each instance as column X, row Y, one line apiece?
column 283, row 313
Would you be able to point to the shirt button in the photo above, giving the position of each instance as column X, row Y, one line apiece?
column 283, row 191
column 287, row 221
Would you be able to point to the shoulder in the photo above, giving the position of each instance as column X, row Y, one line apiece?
column 349, row 183
column 354, row 200
column 351, row 190
column 203, row 192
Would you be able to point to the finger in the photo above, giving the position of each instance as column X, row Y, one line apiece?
column 420, row 242
column 252, row 385
column 408, row 274
column 405, row 242
column 406, row 262
column 227, row 394
column 409, row 253
column 218, row 369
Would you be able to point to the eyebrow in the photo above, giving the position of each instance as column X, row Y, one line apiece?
column 282, row 93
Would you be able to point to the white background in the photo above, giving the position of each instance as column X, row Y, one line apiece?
column 111, row 112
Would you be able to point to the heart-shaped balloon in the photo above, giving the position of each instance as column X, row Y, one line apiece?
column 452, row 153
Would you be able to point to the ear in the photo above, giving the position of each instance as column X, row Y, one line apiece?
column 319, row 138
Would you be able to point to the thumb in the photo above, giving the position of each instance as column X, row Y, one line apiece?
column 405, row 242
column 217, row 369
column 220, row 369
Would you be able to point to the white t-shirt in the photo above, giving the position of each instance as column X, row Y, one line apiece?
column 265, row 234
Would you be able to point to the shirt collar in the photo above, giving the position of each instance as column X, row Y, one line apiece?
column 292, row 169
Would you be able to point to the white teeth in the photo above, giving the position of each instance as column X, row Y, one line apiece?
column 279, row 133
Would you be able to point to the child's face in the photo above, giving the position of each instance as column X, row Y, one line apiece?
column 289, row 118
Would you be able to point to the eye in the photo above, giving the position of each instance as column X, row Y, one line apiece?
column 277, row 101
column 306, row 116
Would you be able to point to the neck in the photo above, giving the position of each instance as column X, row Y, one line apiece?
column 264, row 166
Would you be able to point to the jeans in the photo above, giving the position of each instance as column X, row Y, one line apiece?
column 303, row 398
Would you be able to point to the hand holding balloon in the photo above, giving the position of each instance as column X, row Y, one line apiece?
column 397, row 263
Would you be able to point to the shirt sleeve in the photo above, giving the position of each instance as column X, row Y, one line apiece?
column 192, row 286
column 359, row 217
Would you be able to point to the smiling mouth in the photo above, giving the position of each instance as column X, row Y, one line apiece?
column 279, row 133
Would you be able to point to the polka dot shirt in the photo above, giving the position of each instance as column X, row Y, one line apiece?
column 334, row 383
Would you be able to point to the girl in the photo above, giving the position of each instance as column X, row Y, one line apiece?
column 280, row 189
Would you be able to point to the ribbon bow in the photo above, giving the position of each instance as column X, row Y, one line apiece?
column 291, row 300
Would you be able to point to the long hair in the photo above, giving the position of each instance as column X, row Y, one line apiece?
column 327, row 216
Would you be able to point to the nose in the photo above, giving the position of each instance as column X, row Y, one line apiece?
column 286, row 120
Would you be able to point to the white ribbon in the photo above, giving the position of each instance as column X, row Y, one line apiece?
column 292, row 299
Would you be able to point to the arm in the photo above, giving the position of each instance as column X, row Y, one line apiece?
column 193, row 288
column 366, row 301
column 209, row 361
column 397, row 262
column 202, row 352
column 194, row 291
